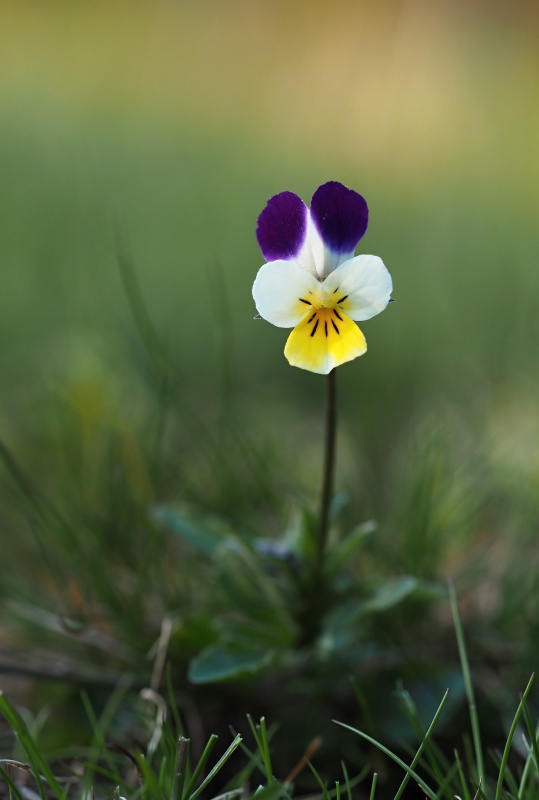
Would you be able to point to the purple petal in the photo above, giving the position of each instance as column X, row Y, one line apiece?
column 282, row 226
column 340, row 215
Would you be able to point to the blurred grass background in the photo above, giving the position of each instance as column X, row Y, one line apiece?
column 174, row 122
column 179, row 119
column 182, row 118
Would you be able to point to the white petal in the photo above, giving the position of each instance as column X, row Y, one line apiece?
column 278, row 292
column 315, row 246
column 366, row 284
column 311, row 256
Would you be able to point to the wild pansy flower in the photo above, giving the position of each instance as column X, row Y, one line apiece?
column 312, row 282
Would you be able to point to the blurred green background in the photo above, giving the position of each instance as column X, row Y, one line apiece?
column 158, row 129
column 182, row 118
column 172, row 122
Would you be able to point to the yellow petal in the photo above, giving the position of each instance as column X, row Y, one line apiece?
column 324, row 339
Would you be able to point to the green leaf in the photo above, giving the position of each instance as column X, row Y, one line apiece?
column 345, row 550
column 428, row 590
column 343, row 627
column 251, row 590
column 390, row 593
column 339, row 501
column 249, row 633
column 221, row 663
column 301, row 534
column 205, row 535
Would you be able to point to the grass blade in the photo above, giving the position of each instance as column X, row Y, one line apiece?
column 265, row 749
column 373, row 785
column 439, row 765
column 419, row 780
column 507, row 748
column 182, row 755
column 13, row 788
column 40, row 767
column 319, row 780
column 423, row 745
column 468, row 685
column 201, row 764
column 533, row 753
column 150, row 781
column 463, row 783
column 220, row 764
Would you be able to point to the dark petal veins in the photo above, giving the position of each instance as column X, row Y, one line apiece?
column 341, row 216
column 282, row 226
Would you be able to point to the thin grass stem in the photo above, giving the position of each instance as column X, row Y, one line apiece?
column 437, row 763
column 507, row 748
column 468, row 685
column 373, row 785
column 463, row 782
column 254, row 762
column 150, row 784
column 180, row 768
column 13, row 788
column 40, row 768
column 533, row 753
column 265, row 749
column 319, row 780
column 220, row 764
column 197, row 771
column 368, row 721
column 409, row 771
column 422, row 746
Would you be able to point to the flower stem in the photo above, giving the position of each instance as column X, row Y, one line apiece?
column 315, row 599
column 328, row 474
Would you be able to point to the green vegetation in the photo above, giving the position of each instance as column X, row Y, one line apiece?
column 160, row 461
column 163, row 768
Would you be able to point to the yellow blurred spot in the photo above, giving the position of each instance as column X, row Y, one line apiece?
column 402, row 83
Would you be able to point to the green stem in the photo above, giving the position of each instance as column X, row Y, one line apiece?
column 314, row 600
column 328, row 475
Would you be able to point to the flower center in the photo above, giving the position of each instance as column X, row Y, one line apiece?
column 325, row 312
column 324, row 300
